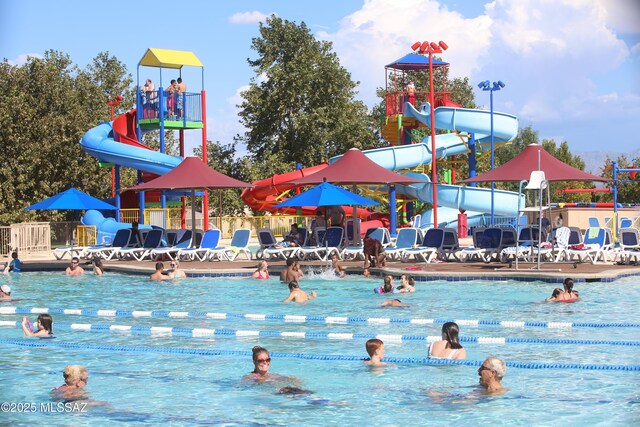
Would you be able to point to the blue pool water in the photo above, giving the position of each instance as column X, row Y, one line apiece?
column 147, row 387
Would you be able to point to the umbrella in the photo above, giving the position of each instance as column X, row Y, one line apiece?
column 192, row 174
column 71, row 199
column 326, row 194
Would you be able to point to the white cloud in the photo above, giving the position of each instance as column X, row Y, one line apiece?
column 550, row 53
column 622, row 15
column 252, row 17
column 635, row 49
column 22, row 59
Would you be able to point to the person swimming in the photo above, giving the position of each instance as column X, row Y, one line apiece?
column 449, row 347
column 44, row 326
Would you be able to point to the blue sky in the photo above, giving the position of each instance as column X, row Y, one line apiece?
column 572, row 67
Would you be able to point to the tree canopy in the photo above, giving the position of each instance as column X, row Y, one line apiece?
column 46, row 106
column 300, row 104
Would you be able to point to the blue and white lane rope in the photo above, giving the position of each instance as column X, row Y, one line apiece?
column 289, row 318
column 30, row 343
column 206, row 332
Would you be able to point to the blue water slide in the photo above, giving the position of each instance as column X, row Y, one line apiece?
column 475, row 201
column 99, row 143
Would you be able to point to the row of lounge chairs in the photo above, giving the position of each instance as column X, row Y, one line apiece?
column 157, row 243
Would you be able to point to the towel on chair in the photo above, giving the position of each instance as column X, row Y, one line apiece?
column 592, row 232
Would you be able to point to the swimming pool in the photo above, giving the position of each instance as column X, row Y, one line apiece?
column 170, row 377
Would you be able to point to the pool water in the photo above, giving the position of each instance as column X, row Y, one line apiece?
column 147, row 387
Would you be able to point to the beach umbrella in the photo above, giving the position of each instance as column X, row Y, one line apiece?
column 326, row 194
column 72, row 199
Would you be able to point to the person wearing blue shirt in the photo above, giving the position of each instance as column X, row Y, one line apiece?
column 15, row 266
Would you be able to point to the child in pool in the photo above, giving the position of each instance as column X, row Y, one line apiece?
column 44, row 325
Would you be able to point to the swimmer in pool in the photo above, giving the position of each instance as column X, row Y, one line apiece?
column 289, row 274
column 75, row 379
column 98, row 268
column 74, row 269
column 491, row 373
column 159, row 273
column 449, row 347
column 375, row 350
column 407, row 284
column 394, row 303
column 262, row 272
column 44, row 326
column 337, row 267
column 569, row 294
column 5, row 292
column 554, row 295
column 298, row 295
column 176, row 272
column 261, row 365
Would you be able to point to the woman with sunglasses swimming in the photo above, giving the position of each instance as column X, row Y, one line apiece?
column 176, row 272
column 261, row 365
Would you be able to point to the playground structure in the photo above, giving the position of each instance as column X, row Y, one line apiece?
column 118, row 143
column 469, row 130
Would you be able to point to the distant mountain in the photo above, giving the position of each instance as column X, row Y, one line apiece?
column 594, row 160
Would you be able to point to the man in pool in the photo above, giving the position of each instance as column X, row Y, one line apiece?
column 159, row 273
column 74, row 269
column 289, row 274
column 491, row 373
column 298, row 295
column 394, row 303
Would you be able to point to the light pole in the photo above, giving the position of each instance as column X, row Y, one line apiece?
column 431, row 48
column 492, row 87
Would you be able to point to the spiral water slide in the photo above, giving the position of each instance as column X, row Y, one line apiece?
column 451, row 198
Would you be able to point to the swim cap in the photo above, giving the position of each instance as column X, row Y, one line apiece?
column 6, row 289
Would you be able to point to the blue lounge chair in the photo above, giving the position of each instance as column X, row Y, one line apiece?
column 183, row 242
column 152, row 240
column 210, row 240
column 407, row 238
column 120, row 240
column 239, row 246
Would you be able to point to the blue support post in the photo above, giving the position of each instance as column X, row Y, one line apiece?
column 392, row 211
column 140, row 201
column 472, row 158
column 117, row 169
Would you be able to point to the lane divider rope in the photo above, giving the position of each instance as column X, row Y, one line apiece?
column 28, row 343
column 312, row 318
column 209, row 332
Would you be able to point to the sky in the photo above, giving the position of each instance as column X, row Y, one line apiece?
column 571, row 67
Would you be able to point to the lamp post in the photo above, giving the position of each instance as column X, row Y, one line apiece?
column 492, row 87
column 430, row 49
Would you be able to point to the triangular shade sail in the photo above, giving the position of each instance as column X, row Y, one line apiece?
column 533, row 158
column 355, row 168
column 192, row 173
column 71, row 199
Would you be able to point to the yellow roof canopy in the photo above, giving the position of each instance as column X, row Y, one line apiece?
column 167, row 58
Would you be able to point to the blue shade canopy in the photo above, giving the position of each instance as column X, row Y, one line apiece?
column 71, row 199
column 326, row 194
column 413, row 61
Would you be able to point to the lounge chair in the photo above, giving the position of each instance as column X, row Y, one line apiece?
column 239, row 245
column 432, row 245
column 594, row 239
column 528, row 237
column 270, row 249
column 330, row 242
column 487, row 243
column 380, row 234
column 210, row 240
column 120, row 240
column 184, row 241
column 629, row 239
column 152, row 240
column 625, row 222
column 451, row 245
column 407, row 238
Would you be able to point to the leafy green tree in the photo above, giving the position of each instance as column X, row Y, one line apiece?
column 46, row 106
column 300, row 105
column 628, row 192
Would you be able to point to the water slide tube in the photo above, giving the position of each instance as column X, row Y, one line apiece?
column 99, row 142
column 475, row 201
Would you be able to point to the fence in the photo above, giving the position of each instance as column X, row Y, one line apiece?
column 28, row 238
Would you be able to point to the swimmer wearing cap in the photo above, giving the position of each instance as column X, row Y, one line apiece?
column 5, row 292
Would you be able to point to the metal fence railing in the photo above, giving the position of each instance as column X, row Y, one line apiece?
column 27, row 238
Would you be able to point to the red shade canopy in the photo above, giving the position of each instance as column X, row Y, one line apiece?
column 533, row 158
column 355, row 168
column 192, row 173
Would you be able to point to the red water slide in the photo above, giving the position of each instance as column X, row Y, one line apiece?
column 268, row 192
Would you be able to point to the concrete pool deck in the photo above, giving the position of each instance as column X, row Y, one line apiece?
column 452, row 271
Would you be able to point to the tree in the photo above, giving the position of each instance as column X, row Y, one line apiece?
column 45, row 108
column 628, row 192
column 300, row 105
